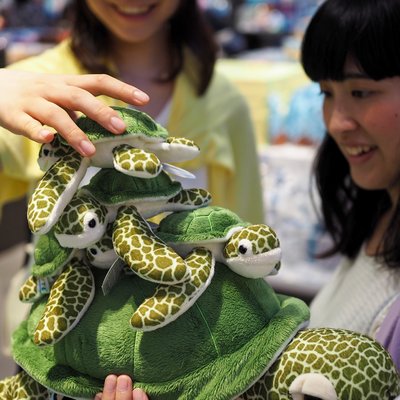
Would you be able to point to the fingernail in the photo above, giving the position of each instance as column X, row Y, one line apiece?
column 110, row 384
column 141, row 96
column 87, row 148
column 45, row 134
column 118, row 124
column 123, row 384
column 138, row 394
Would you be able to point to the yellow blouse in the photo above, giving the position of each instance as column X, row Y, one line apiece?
column 219, row 122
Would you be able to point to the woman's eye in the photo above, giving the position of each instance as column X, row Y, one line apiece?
column 325, row 93
column 360, row 94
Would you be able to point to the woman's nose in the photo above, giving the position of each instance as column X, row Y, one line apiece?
column 338, row 120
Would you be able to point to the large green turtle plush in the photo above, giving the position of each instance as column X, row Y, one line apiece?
column 143, row 150
column 239, row 340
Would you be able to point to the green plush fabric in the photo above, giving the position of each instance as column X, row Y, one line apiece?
column 49, row 255
column 137, row 123
column 216, row 350
column 112, row 187
column 198, row 225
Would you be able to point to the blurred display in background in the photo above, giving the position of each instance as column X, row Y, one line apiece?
column 259, row 42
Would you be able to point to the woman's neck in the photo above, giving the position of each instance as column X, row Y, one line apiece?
column 143, row 65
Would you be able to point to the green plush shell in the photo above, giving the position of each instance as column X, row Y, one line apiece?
column 112, row 187
column 137, row 123
column 49, row 256
column 203, row 224
column 222, row 344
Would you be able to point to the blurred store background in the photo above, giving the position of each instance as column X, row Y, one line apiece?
column 259, row 43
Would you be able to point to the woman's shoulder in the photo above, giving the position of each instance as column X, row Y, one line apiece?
column 58, row 59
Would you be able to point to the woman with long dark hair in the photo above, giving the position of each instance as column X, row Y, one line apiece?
column 351, row 49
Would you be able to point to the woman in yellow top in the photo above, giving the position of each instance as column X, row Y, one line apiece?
column 163, row 47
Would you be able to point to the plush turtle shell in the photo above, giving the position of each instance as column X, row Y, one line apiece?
column 111, row 187
column 210, row 223
column 216, row 350
column 49, row 256
column 137, row 123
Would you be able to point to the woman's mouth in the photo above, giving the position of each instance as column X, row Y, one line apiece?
column 355, row 151
column 133, row 11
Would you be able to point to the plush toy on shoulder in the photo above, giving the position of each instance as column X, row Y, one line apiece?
column 181, row 306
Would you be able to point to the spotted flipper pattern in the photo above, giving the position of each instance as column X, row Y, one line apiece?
column 144, row 252
column 34, row 288
column 22, row 387
column 191, row 198
column 70, row 296
column 54, row 192
column 356, row 365
column 170, row 301
column 136, row 162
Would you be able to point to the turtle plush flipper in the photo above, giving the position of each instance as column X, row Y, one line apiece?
column 34, row 288
column 175, row 149
column 170, row 301
column 136, row 162
column 144, row 252
column 70, row 296
column 21, row 387
column 54, row 191
column 189, row 199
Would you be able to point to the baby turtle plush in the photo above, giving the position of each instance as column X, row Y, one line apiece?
column 249, row 250
column 150, row 196
column 141, row 151
column 239, row 340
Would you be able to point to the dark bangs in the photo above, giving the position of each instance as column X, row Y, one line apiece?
column 366, row 30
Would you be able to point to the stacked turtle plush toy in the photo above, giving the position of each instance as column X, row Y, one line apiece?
column 180, row 306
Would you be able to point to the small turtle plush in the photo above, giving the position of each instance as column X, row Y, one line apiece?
column 240, row 340
column 249, row 250
column 142, row 150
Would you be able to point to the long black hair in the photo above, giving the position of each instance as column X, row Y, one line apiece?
column 366, row 30
column 90, row 41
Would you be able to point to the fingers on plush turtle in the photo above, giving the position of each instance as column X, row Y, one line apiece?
column 252, row 251
column 135, row 152
column 150, row 196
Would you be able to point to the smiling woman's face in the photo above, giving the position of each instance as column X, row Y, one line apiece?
column 363, row 117
column 134, row 21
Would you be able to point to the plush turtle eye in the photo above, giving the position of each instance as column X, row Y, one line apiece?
column 93, row 251
column 90, row 220
column 92, row 223
column 245, row 247
column 46, row 152
column 242, row 249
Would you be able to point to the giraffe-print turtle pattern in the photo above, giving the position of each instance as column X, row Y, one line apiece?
column 138, row 162
column 252, row 251
column 34, row 288
column 69, row 298
column 192, row 197
column 22, row 387
column 170, row 301
column 146, row 255
column 102, row 254
column 45, row 200
column 83, row 222
column 50, row 153
column 347, row 359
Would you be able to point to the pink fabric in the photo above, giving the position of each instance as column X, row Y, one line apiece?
column 389, row 332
